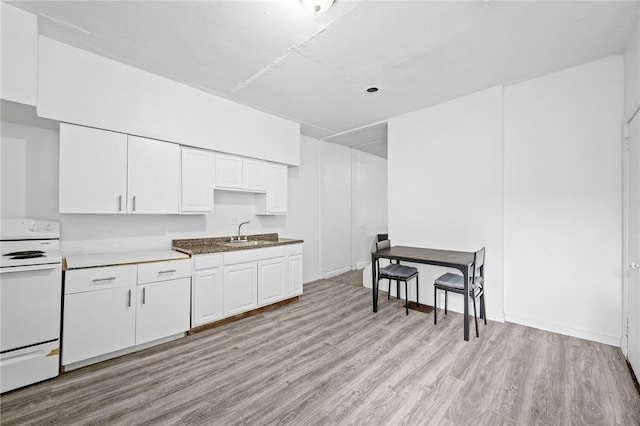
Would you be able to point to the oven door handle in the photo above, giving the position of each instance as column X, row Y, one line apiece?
column 29, row 268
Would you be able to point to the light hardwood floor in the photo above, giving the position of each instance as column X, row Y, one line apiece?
column 327, row 359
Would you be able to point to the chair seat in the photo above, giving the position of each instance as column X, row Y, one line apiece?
column 395, row 271
column 455, row 282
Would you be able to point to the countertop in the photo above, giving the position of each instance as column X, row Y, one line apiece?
column 197, row 246
column 121, row 258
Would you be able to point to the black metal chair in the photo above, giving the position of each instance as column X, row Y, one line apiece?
column 396, row 272
column 455, row 283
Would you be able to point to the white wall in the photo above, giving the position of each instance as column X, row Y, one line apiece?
column 445, row 186
column 29, row 181
column 368, row 205
column 563, row 201
column 538, row 174
column 335, row 209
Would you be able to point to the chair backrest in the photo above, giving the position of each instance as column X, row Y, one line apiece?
column 478, row 264
column 383, row 244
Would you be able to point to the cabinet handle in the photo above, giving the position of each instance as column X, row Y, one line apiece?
column 169, row 271
column 119, row 203
column 133, row 204
column 129, row 299
column 144, row 293
column 99, row 280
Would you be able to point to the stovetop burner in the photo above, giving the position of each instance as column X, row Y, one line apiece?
column 27, row 256
column 26, row 253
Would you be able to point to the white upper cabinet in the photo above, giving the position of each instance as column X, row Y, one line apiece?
column 19, row 55
column 274, row 201
column 240, row 174
column 93, row 170
column 254, row 175
column 228, row 171
column 196, row 181
column 154, row 176
column 108, row 172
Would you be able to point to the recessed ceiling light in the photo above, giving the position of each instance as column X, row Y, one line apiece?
column 317, row 6
column 372, row 89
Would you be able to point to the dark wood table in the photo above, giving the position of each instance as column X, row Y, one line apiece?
column 460, row 260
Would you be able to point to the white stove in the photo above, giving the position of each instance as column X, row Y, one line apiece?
column 30, row 298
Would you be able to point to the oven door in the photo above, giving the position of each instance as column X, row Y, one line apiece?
column 30, row 298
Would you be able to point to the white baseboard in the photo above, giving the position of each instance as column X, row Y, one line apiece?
column 362, row 265
column 566, row 330
column 336, row 272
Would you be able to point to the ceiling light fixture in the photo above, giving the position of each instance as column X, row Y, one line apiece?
column 317, row 6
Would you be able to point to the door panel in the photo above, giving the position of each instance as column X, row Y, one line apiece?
column 634, row 247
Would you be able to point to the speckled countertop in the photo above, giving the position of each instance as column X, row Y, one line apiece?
column 197, row 246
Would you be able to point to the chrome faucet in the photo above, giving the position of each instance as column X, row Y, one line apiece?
column 239, row 227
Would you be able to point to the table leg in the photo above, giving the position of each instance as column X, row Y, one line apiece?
column 374, row 285
column 465, row 274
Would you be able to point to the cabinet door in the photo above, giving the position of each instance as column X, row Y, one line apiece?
column 271, row 281
column 295, row 275
column 93, row 170
column 153, row 176
column 163, row 309
column 240, row 288
column 206, row 296
column 254, row 175
column 274, row 201
column 197, row 181
column 97, row 323
column 228, row 171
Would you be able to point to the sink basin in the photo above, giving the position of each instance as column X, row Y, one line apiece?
column 253, row 243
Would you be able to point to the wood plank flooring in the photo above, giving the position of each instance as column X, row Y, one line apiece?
column 327, row 359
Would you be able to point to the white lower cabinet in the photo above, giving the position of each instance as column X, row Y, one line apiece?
column 162, row 309
column 206, row 289
column 110, row 309
column 235, row 282
column 98, row 322
column 272, row 280
column 240, row 288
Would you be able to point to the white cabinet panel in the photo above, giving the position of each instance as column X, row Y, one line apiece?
column 153, row 176
column 228, row 171
column 19, row 55
column 240, row 287
column 206, row 293
column 275, row 200
column 162, row 309
column 197, row 181
column 98, row 322
column 271, row 281
column 295, row 276
column 254, row 175
column 93, row 170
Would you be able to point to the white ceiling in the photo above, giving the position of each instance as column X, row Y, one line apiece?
column 275, row 56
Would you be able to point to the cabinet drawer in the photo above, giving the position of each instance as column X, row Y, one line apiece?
column 294, row 249
column 206, row 261
column 241, row 256
column 90, row 279
column 163, row 271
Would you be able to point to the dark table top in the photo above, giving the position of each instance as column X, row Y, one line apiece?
column 429, row 256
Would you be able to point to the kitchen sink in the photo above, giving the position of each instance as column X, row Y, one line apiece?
column 252, row 243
